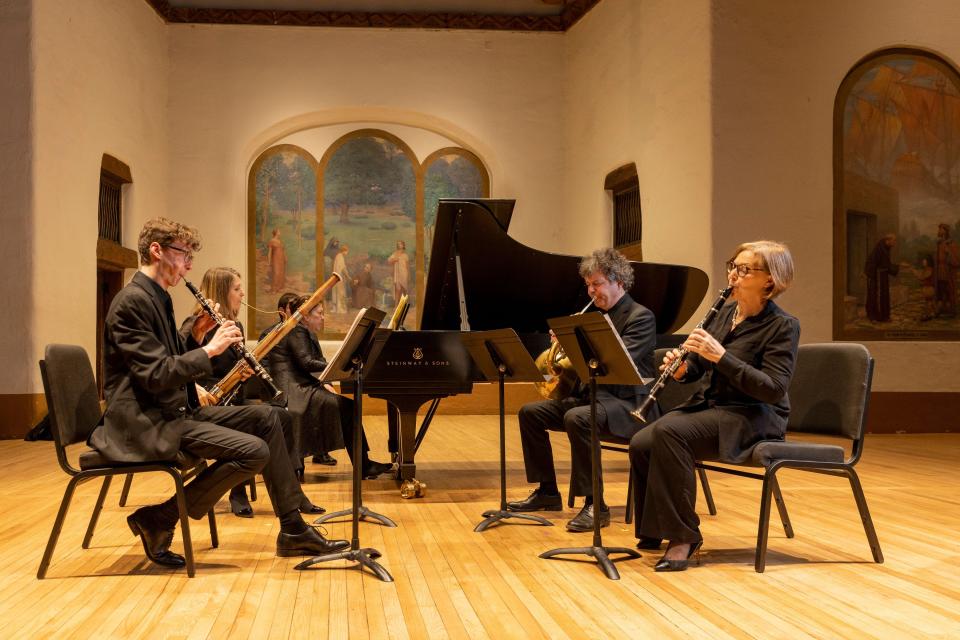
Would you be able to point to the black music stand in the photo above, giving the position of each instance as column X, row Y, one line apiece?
column 499, row 355
column 361, row 346
column 598, row 354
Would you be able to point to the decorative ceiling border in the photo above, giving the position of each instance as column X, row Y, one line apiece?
column 572, row 12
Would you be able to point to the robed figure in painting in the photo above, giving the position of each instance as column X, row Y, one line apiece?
column 878, row 270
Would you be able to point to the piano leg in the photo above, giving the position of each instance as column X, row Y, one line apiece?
column 405, row 408
column 393, row 433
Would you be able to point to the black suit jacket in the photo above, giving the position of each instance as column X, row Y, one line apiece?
column 638, row 329
column 148, row 377
column 749, row 383
column 295, row 358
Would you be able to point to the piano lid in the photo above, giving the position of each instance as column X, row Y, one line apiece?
column 509, row 284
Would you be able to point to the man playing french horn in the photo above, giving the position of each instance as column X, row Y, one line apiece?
column 608, row 276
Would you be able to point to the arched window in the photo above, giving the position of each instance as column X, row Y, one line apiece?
column 897, row 198
column 627, row 221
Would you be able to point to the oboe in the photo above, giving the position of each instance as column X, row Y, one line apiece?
column 238, row 347
column 674, row 366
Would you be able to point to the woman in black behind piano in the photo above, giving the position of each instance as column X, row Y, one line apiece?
column 744, row 359
column 323, row 419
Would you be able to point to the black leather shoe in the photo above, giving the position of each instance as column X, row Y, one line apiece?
column 583, row 521
column 537, row 501
column 156, row 539
column 239, row 504
column 309, row 507
column 308, row 543
column 325, row 458
column 678, row 565
column 650, row 544
column 373, row 469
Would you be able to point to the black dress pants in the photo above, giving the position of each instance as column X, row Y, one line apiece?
column 662, row 459
column 537, row 419
column 242, row 441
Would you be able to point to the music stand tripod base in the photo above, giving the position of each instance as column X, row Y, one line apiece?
column 493, row 516
column 363, row 513
column 601, row 554
column 363, row 557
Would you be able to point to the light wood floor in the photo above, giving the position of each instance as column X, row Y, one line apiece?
column 452, row 582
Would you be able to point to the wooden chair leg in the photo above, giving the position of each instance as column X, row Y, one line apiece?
column 707, row 493
column 253, row 489
column 57, row 527
column 628, row 512
column 184, row 524
column 868, row 527
column 214, row 538
column 97, row 508
column 125, row 492
column 781, row 507
column 763, row 527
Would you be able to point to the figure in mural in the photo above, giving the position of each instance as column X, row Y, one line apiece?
column 277, row 260
column 340, row 289
column 363, row 288
column 925, row 276
column 878, row 270
column 401, row 270
column 945, row 267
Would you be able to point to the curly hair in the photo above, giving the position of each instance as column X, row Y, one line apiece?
column 611, row 263
column 165, row 232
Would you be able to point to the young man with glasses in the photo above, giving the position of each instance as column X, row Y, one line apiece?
column 153, row 411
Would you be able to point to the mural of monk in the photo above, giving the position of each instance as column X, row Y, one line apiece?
column 340, row 289
column 878, row 270
column 363, row 289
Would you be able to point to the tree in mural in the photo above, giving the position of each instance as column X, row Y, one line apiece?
column 449, row 176
column 363, row 171
column 270, row 173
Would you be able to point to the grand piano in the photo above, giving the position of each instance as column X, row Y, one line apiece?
column 480, row 278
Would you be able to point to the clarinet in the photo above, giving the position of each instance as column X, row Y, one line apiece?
column 672, row 368
column 238, row 347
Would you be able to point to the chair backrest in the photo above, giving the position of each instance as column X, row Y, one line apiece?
column 830, row 389
column 71, row 391
column 673, row 393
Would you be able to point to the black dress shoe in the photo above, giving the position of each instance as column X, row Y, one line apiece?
column 155, row 538
column 650, row 544
column 373, row 469
column 325, row 458
column 537, row 501
column 239, row 504
column 309, row 507
column 678, row 565
column 583, row 521
column 308, row 543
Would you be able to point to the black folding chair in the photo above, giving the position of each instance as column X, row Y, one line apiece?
column 829, row 395
column 74, row 409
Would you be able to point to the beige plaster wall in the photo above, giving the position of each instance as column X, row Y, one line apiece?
column 776, row 69
column 234, row 91
column 16, row 194
column 637, row 89
column 100, row 86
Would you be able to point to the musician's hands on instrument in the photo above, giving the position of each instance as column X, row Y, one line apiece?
column 246, row 372
column 668, row 358
column 329, row 387
column 204, row 322
column 705, row 345
column 206, row 398
column 227, row 334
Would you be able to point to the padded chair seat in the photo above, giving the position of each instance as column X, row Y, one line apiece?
column 766, row 453
column 93, row 459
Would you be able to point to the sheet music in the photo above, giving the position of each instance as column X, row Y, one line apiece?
column 336, row 356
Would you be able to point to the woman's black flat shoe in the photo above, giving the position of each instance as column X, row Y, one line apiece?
column 679, row 565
